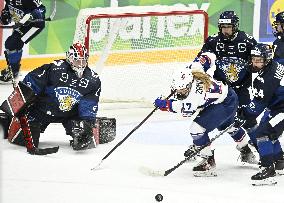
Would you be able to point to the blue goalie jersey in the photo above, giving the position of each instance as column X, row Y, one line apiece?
column 62, row 94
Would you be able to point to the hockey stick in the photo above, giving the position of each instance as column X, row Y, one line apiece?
column 31, row 149
column 17, row 25
column 167, row 172
column 130, row 133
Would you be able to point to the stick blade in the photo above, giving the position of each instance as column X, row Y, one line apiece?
column 97, row 167
column 150, row 172
column 45, row 151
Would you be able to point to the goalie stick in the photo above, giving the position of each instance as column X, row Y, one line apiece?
column 17, row 25
column 130, row 133
column 151, row 172
column 31, row 149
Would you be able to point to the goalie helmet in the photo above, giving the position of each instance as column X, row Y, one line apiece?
column 77, row 56
column 279, row 21
column 181, row 83
column 260, row 51
column 228, row 18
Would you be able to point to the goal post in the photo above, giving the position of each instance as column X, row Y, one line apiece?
column 135, row 49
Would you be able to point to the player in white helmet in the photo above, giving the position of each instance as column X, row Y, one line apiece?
column 215, row 104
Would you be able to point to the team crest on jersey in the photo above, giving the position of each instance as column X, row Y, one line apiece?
column 232, row 73
column 16, row 14
column 231, row 68
column 67, row 98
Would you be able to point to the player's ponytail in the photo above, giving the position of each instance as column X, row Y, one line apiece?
column 203, row 77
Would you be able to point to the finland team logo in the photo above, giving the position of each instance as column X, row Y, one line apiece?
column 67, row 98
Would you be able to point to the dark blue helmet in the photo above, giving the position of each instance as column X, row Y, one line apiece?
column 279, row 19
column 264, row 51
column 229, row 18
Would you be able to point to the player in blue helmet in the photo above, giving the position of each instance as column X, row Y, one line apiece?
column 228, row 25
column 268, row 92
column 278, row 44
column 24, row 12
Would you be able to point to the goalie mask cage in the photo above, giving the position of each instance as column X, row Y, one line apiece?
column 135, row 49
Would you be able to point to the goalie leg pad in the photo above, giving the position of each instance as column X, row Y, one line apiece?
column 16, row 136
column 105, row 130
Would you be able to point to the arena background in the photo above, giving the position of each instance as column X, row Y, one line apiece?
column 58, row 34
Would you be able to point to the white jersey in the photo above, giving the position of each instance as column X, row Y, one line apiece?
column 198, row 98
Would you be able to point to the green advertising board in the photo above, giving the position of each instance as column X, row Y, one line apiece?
column 58, row 34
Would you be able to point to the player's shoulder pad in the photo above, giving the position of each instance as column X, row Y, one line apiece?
column 60, row 64
column 212, row 38
column 91, row 73
column 249, row 38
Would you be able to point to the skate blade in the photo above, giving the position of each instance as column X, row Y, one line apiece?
column 267, row 181
column 249, row 163
column 209, row 173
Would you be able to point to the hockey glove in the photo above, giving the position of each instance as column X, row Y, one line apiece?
column 164, row 105
column 5, row 18
column 239, row 118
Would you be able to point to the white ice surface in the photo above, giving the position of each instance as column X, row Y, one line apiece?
column 158, row 144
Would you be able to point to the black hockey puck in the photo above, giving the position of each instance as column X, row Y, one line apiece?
column 159, row 197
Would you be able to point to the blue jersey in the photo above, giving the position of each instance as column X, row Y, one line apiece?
column 268, row 90
column 231, row 57
column 19, row 8
column 62, row 94
column 278, row 48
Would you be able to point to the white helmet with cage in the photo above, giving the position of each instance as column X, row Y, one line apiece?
column 77, row 56
column 182, row 82
column 182, row 77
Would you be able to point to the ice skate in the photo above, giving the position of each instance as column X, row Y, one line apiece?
column 205, row 168
column 279, row 166
column 247, row 155
column 264, row 176
column 6, row 76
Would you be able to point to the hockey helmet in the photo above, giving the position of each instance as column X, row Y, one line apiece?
column 261, row 52
column 182, row 81
column 77, row 56
column 279, row 20
column 228, row 18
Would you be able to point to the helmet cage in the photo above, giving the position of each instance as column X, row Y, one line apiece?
column 182, row 80
column 77, row 56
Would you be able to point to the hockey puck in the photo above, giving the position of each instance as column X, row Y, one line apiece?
column 159, row 197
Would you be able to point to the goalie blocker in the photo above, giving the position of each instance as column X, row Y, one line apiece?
column 20, row 98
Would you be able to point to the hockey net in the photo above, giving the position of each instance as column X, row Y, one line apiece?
column 135, row 49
